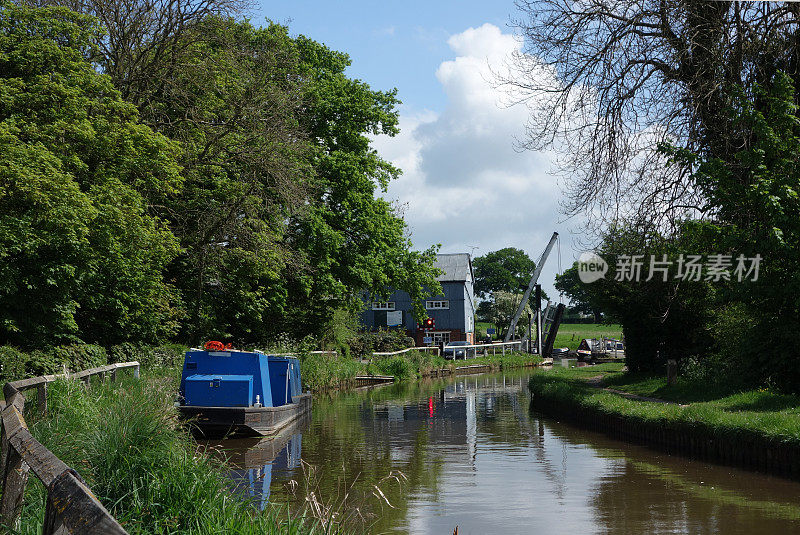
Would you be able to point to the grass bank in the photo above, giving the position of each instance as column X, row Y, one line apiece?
column 323, row 371
column 125, row 441
column 757, row 429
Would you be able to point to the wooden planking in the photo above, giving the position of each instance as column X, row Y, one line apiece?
column 24, row 384
column 42, row 461
column 73, row 505
column 15, row 479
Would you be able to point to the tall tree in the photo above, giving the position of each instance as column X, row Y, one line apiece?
column 610, row 80
column 352, row 239
column 507, row 270
column 82, row 256
column 578, row 292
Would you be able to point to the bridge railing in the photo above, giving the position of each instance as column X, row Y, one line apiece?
column 71, row 507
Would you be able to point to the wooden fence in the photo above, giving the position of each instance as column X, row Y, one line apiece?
column 71, row 507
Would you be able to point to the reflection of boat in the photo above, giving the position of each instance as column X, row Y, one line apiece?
column 241, row 392
column 253, row 460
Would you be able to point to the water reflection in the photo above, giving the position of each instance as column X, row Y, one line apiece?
column 473, row 455
column 253, row 461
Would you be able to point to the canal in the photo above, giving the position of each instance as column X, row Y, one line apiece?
column 428, row 456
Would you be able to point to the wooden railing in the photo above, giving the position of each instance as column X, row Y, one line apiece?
column 501, row 346
column 420, row 348
column 71, row 507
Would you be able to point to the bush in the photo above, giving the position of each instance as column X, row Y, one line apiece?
column 398, row 366
column 79, row 357
column 12, row 363
column 16, row 364
column 166, row 355
column 383, row 341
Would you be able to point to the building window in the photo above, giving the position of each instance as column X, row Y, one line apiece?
column 383, row 305
column 440, row 337
column 437, row 305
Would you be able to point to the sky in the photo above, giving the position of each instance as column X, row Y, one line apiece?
column 464, row 184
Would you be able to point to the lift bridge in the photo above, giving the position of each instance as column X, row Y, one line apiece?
column 547, row 323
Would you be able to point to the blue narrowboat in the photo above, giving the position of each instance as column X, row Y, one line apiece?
column 225, row 391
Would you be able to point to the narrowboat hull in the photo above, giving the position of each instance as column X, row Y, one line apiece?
column 244, row 421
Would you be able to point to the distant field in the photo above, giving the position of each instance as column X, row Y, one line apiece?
column 571, row 334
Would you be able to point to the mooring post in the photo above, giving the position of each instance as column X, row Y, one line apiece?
column 672, row 371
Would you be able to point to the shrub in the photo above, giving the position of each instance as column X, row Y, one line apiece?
column 42, row 362
column 398, row 366
column 166, row 355
column 12, row 363
column 79, row 357
column 383, row 341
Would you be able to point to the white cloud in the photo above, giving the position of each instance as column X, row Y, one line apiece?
column 385, row 31
column 463, row 182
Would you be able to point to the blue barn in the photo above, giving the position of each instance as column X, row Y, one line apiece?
column 453, row 311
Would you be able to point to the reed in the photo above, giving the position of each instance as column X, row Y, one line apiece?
column 125, row 441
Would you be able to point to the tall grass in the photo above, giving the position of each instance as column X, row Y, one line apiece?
column 125, row 441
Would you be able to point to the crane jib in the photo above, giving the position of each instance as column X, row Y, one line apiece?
column 531, row 284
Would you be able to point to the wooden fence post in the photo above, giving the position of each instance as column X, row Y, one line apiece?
column 113, row 375
column 136, row 372
column 41, row 398
column 52, row 524
column 15, row 472
column 672, row 372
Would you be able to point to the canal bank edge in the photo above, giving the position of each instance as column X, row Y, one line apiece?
column 693, row 438
column 408, row 368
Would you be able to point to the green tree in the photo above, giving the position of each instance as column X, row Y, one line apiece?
column 232, row 102
column 82, row 255
column 501, row 308
column 755, row 197
column 507, row 270
column 578, row 292
column 351, row 239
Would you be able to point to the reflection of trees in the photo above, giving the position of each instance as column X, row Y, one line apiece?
column 350, row 451
column 647, row 492
column 359, row 438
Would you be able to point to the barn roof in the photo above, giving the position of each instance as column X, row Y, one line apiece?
column 455, row 267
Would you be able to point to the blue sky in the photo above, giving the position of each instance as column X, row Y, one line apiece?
column 391, row 44
column 464, row 185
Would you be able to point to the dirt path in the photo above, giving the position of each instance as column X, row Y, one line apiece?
column 597, row 382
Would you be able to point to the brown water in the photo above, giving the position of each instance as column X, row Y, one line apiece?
column 468, row 452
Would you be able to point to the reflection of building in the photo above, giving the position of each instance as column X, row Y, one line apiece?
column 453, row 311
column 450, row 417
